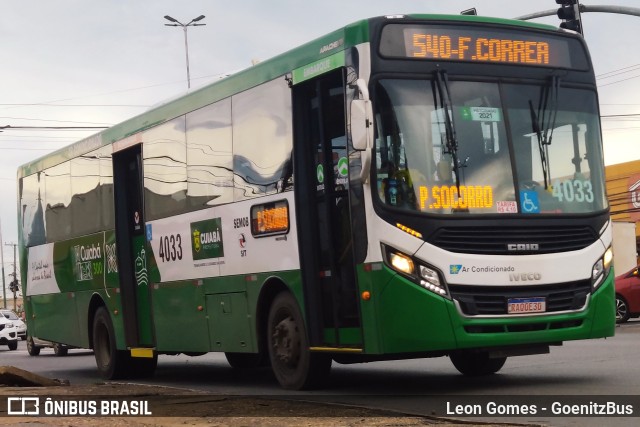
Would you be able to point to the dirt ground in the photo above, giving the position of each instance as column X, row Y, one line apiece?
column 207, row 410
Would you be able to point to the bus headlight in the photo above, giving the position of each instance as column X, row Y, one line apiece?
column 401, row 263
column 601, row 269
column 423, row 275
column 431, row 281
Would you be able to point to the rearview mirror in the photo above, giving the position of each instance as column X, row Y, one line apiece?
column 362, row 128
column 361, row 132
column 362, row 119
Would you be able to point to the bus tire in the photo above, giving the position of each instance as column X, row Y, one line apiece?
column 295, row 367
column 59, row 350
column 111, row 362
column 32, row 348
column 245, row 360
column 474, row 364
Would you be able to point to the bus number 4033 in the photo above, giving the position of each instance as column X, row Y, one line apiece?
column 170, row 248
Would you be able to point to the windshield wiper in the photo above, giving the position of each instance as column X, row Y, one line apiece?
column 544, row 122
column 550, row 106
column 535, row 125
column 442, row 83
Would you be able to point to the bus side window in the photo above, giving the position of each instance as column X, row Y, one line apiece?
column 31, row 205
column 209, row 156
column 262, row 138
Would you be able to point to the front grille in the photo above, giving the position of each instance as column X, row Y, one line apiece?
column 492, row 300
column 495, row 240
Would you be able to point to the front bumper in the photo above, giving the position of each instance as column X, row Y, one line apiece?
column 411, row 319
column 9, row 337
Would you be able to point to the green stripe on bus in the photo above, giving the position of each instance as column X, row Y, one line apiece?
column 319, row 67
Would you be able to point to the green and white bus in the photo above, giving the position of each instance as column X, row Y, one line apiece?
column 404, row 187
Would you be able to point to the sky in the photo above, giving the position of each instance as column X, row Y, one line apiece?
column 80, row 63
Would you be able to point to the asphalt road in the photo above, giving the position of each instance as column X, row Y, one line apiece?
column 598, row 367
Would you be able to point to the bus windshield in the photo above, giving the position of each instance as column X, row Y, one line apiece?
column 504, row 148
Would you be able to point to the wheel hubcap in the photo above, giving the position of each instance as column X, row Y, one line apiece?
column 286, row 341
column 621, row 309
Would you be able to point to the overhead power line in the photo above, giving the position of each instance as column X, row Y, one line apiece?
column 56, row 121
column 53, row 102
column 43, row 104
column 622, row 104
column 9, row 127
column 28, row 149
column 618, row 81
column 604, row 116
column 618, row 71
column 30, row 137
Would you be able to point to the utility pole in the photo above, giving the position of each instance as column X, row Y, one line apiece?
column 15, row 278
column 4, row 289
column 13, row 286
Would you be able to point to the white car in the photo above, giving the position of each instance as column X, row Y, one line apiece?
column 8, row 333
column 21, row 327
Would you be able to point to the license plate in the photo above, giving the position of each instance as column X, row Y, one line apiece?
column 526, row 305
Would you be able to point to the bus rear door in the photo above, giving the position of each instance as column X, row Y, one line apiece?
column 131, row 246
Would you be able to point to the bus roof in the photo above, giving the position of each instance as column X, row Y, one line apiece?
column 343, row 38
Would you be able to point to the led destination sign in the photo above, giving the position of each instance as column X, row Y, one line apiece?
column 270, row 218
column 451, row 196
column 479, row 44
column 480, row 49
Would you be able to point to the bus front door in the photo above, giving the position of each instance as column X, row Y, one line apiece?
column 131, row 247
column 323, row 212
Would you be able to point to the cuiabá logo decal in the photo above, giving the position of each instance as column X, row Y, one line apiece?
column 196, row 240
column 206, row 240
column 87, row 261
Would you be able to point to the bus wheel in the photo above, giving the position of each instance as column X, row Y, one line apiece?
column 112, row 363
column 294, row 366
column 475, row 364
column 32, row 348
column 60, row 350
column 245, row 360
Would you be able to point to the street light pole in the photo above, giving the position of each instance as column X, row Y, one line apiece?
column 634, row 11
column 192, row 23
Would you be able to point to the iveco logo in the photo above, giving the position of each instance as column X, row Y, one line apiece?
column 523, row 247
column 524, row 277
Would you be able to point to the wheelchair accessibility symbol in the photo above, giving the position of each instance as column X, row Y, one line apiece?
column 529, row 202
